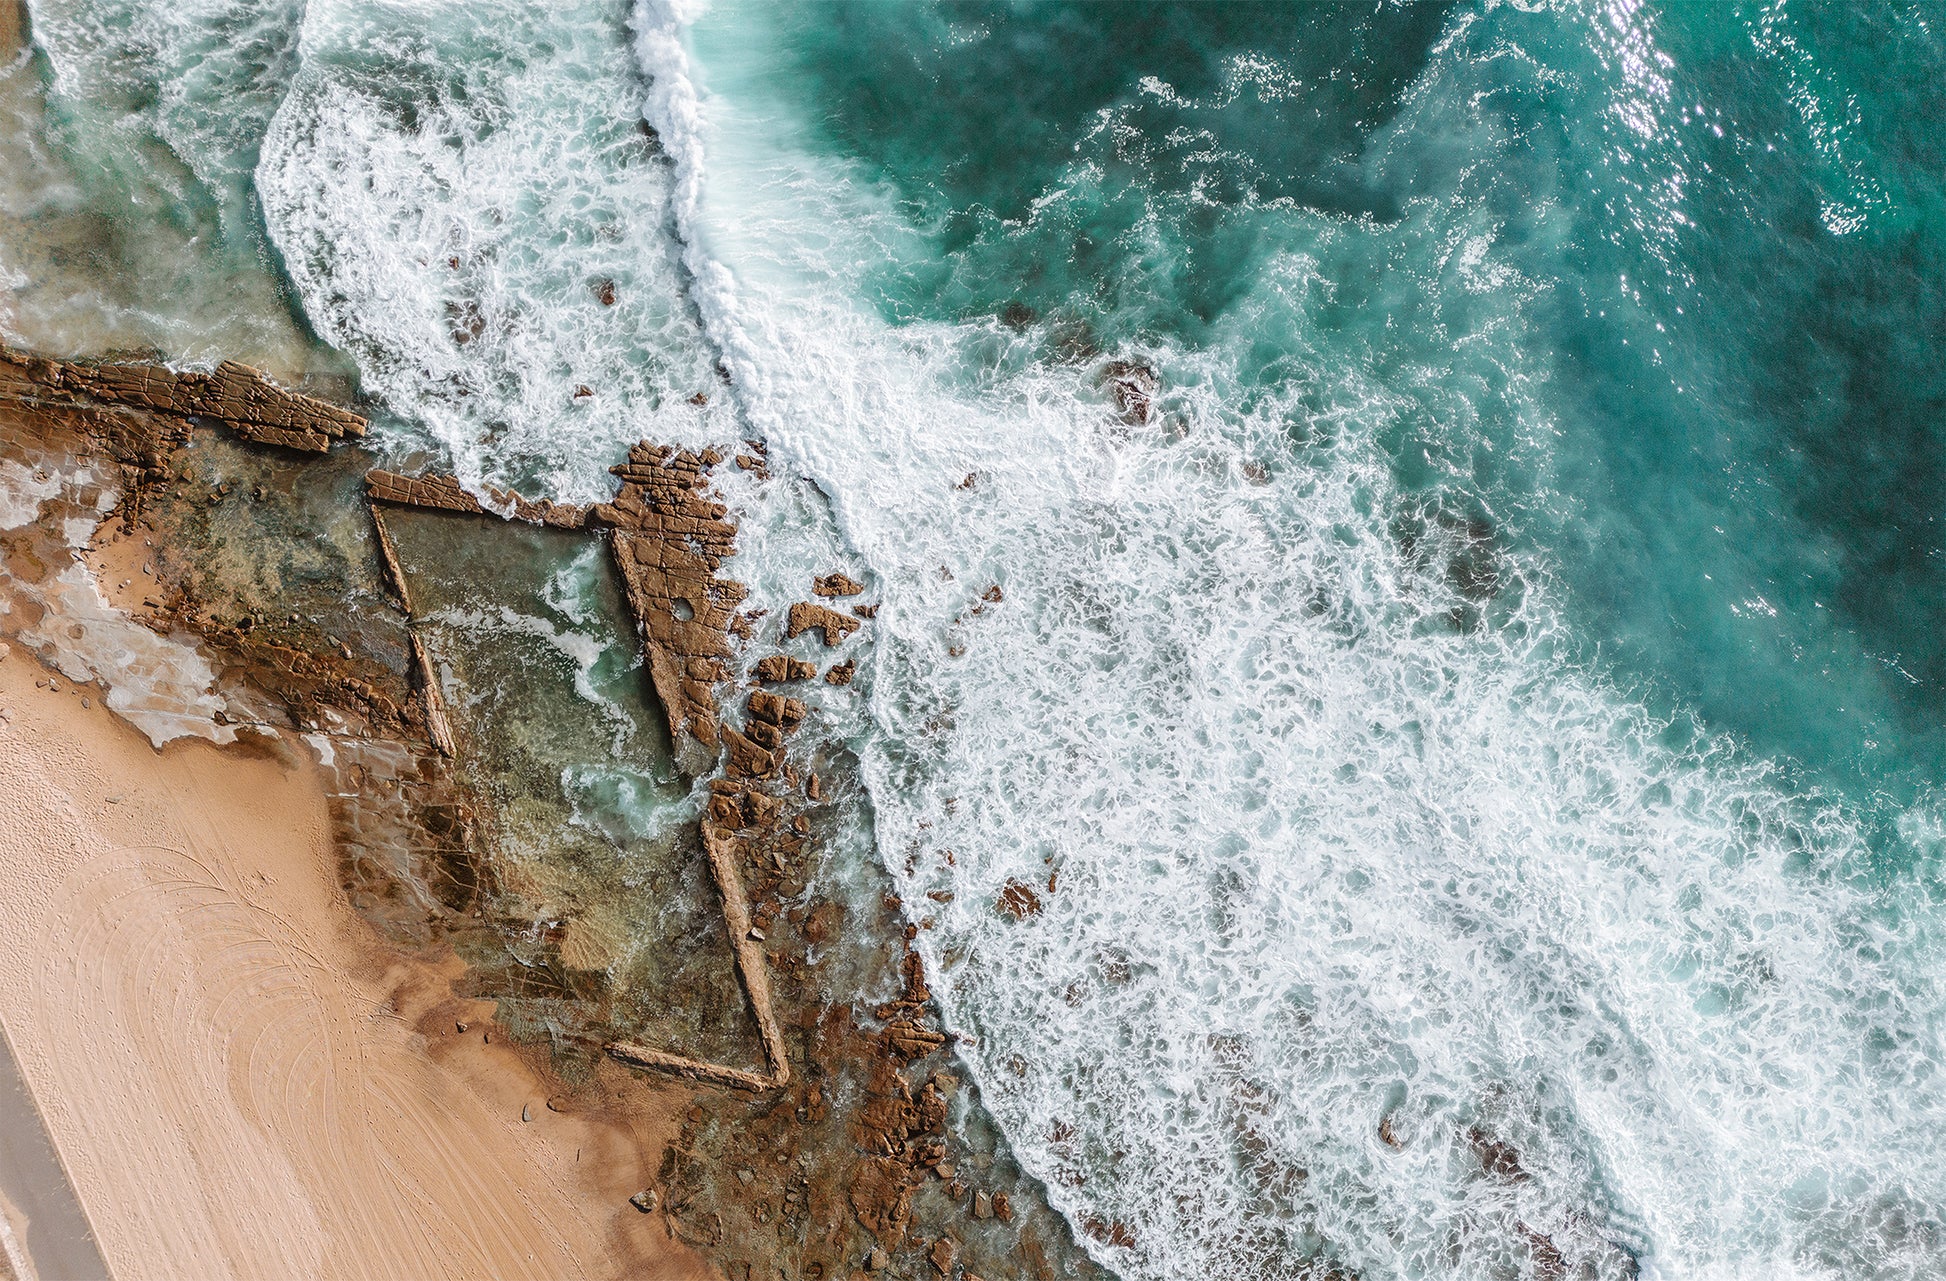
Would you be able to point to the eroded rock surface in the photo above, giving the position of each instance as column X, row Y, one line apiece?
column 445, row 493
column 779, row 669
column 235, row 396
column 807, row 617
column 835, row 584
column 669, row 537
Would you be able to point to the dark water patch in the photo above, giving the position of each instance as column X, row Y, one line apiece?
column 1113, row 161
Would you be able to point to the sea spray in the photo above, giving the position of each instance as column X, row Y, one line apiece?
column 128, row 134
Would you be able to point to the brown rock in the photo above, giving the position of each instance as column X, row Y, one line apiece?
column 822, row 923
column 909, row 1040
column 669, row 539
column 776, row 669
column 944, row 1254
column 836, row 584
column 1018, row 900
column 775, row 709
column 881, row 1198
column 930, row 1109
column 760, row 809
column 604, row 291
column 233, row 395
column 1132, row 387
column 841, row 673
column 748, row 759
column 805, row 617
column 1115, row 1233
column 912, row 972
column 445, row 493
column 982, row 1206
column 1003, row 1207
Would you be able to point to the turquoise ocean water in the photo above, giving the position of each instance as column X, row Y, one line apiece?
column 1483, row 715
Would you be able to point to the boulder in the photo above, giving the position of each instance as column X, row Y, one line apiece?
column 806, row 617
column 835, row 584
column 777, row 669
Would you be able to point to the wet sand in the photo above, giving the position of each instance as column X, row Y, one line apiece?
column 239, row 1077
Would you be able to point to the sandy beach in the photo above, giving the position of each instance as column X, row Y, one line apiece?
column 241, row 1080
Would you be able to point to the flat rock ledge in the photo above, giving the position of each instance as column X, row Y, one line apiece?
column 236, row 396
column 445, row 493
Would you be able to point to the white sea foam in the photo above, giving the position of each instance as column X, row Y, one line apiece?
column 581, row 650
column 1349, row 904
column 455, row 194
column 203, row 75
column 161, row 685
column 124, row 181
column 1352, row 908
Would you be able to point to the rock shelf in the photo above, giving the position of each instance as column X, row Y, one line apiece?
column 445, row 493
column 236, row 396
column 668, row 536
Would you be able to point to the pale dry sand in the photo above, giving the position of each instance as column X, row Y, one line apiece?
column 240, row 1078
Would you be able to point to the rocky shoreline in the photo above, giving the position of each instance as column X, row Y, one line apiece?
column 856, row 1146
